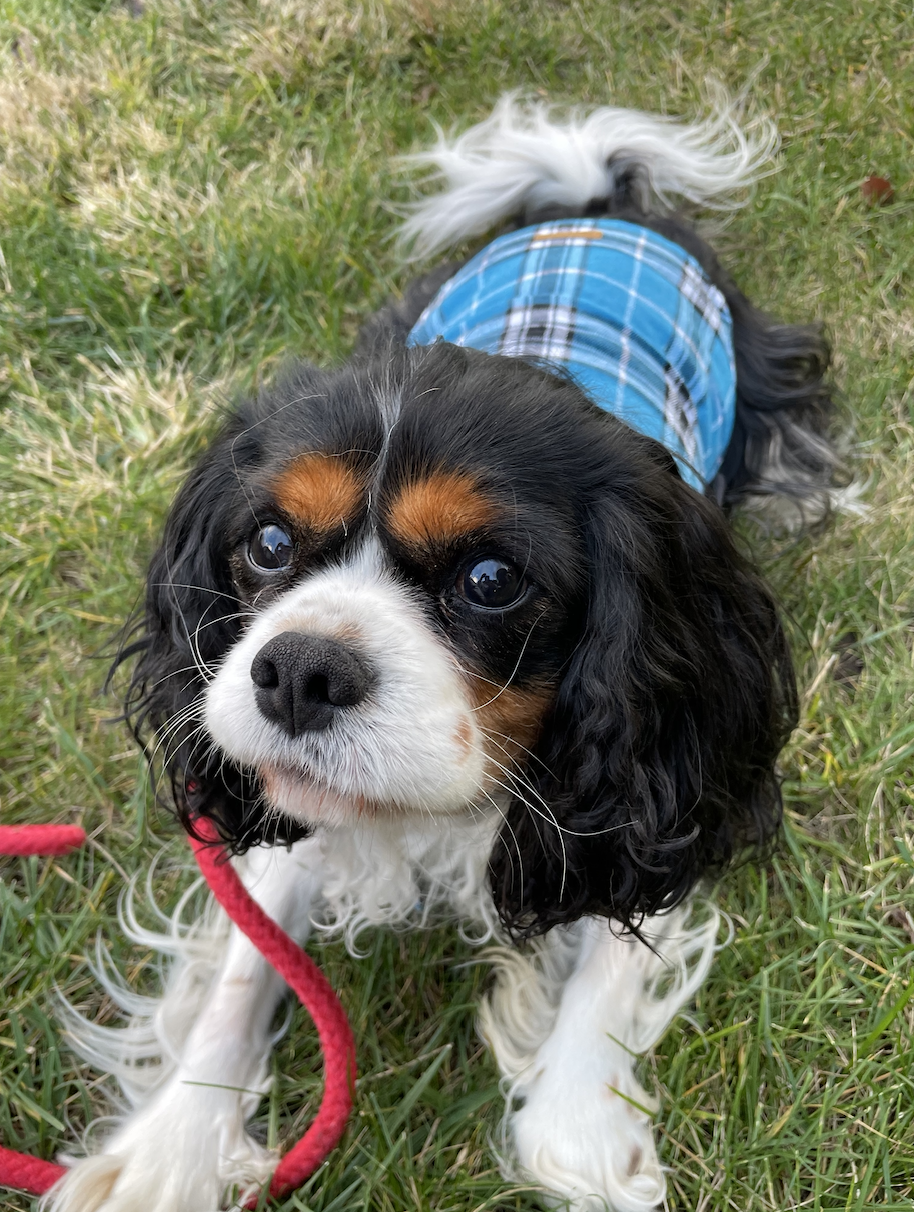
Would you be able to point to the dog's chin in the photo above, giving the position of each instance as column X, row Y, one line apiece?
column 306, row 799
column 299, row 795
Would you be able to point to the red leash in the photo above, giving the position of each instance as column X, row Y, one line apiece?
column 303, row 976
column 23, row 840
column 297, row 969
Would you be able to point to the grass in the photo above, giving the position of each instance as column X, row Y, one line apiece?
column 190, row 193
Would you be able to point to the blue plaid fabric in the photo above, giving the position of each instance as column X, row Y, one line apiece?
column 629, row 315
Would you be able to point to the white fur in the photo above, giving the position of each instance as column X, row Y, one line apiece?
column 407, row 873
column 400, row 750
column 565, row 1022
column 583, row 1130
column 185, row 1144
column 790, row 496
column 520, row 158
column 145, row 1052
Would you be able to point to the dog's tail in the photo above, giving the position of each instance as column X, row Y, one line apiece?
column 522, row 162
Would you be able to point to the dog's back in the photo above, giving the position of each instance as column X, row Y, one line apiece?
column 521, row 168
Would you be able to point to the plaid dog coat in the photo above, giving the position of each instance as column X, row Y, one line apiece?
column 628, row 314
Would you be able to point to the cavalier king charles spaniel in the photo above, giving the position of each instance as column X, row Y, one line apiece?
column 460, row 628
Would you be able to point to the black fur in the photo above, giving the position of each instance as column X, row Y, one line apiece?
column 194, row 604
column 673, row 691
column 672, row 686
column 192, row 617
column 658, row 764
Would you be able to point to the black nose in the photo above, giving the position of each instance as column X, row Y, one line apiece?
column 303, row 680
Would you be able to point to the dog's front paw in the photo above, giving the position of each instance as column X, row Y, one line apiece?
column 167, row 1160
column 586, row 1141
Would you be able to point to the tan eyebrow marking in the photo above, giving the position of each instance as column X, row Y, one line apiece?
column 320, row 491
column 439, row 508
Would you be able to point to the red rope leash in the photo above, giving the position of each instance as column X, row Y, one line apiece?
column 313, row 989
column 23, row 1172
column 23, row 840
column 298, row 970
column 20, row 1170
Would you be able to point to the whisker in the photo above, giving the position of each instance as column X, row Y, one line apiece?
column 169, row 754
column 186, row 716
column 491, row 734
column 181, row 718
column 220, row 593
column 510, row 829
column 224, row 618
column 549, row 819
column 516, row 781
column 516, row 665
column 261, row 421
column 200, row 623
column 201, row 668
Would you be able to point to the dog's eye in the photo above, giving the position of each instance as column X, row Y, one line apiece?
column 270, row 549
column 491, row 582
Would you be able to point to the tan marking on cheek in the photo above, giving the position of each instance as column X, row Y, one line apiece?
column 320, row 491
column 443, row 507
column 463, row 737
column 511, row 720
column 270, row 785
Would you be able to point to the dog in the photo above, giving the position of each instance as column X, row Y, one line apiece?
column 460, row 629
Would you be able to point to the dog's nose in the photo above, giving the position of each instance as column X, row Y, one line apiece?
column 304, row 680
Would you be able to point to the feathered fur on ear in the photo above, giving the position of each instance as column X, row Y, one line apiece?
column 657, row 765
column 192, row 617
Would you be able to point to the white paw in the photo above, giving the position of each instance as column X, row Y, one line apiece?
column 179, row 1154
column 585, row 1143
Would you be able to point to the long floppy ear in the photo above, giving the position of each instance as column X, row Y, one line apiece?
column 192, row 617
column 657, row 765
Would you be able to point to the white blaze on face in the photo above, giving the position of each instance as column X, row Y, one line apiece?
column 412, row 745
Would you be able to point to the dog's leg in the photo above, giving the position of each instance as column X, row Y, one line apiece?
column 179, row 1151
column 566, row 1028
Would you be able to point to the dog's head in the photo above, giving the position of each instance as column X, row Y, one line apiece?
column 438, row 582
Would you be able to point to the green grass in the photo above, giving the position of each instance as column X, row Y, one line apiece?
column 191, row 194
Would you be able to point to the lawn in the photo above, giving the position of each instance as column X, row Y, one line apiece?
column 192, row 192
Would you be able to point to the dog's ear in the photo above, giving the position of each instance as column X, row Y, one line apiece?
column 192, row 617
column 657, row 764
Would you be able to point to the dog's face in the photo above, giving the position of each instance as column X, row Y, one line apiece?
column 413, row 571
column 438, row 582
